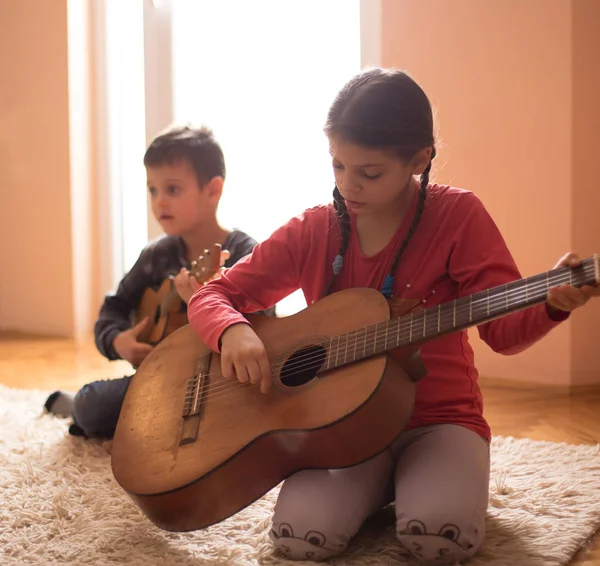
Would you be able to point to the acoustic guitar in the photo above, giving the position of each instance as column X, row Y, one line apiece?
column 162, row 306
column 192, row 448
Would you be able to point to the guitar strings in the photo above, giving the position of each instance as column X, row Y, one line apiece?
column 300, row 363
column 404, row 323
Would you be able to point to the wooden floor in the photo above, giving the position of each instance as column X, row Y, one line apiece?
column 512, row 409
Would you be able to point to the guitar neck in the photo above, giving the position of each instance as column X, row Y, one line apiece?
column 172, row 297
column 426, row 324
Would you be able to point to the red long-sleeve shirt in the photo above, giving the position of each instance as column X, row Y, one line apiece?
column 456, row 250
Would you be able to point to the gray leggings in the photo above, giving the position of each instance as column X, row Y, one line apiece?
column 438, row 476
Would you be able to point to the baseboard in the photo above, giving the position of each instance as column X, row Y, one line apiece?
column 533, row 386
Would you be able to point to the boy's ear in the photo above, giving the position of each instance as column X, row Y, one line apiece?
column 214, row 189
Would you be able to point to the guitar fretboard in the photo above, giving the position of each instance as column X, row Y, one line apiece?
column 478, row 308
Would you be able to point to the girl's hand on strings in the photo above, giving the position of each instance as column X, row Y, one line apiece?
column 243, row 356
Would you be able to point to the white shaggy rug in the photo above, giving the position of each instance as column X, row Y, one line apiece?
column 59, row 504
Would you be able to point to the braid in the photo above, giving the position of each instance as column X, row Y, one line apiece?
column 343, row 218
column 344, row 222
column 418, row 214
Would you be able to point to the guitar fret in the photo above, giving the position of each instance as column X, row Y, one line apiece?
column 331, row 350
column 439, row 316
column 488, row 302
column 347, row 357
column 346, row 350
column 411, row 323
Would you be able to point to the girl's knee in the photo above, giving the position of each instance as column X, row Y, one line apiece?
column 303, row 544
column 433, row 539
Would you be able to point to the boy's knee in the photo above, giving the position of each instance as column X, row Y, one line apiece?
column 436, row 539
column 302, row 544
column 92, row 411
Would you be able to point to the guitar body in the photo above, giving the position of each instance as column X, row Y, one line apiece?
column 161, row 321
column 189, row 473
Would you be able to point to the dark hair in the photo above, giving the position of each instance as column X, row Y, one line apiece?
column 196, row 145
column 382, row 109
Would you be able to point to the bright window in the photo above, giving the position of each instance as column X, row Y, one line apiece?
column 262, row 75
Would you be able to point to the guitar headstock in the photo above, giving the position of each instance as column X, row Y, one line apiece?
column 209, row 263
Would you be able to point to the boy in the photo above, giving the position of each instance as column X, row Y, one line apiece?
column 185, row 171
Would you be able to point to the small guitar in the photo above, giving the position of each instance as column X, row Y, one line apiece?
column 163, row 306
column 192, row 448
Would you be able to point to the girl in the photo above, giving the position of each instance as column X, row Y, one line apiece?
column 389, row 229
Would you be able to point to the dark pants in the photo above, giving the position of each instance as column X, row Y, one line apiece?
column 97, row 406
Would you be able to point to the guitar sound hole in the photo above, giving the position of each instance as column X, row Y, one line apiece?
column 302, row 366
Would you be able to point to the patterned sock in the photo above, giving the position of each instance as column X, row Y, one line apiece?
column 60, row 403
column 76, row 430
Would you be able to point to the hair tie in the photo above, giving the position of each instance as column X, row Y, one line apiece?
column 337, row 264
column 387, row 288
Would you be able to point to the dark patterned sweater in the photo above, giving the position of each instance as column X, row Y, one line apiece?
column 162, row 257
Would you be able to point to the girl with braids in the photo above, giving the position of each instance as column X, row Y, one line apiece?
column 389, row 228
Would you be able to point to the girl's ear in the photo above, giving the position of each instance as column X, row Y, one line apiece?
column 421, row 160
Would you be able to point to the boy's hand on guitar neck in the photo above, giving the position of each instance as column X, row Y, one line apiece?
column 129, row 348
column 186, row 283
column 243, row 356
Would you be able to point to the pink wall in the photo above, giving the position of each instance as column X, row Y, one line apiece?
column 585, row 175
column 508, row 84
column 35, row 233
column 46, row 236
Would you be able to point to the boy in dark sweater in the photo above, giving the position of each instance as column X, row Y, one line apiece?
column 185, row 171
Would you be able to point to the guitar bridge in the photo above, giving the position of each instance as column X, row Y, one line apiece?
column 193, row 403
